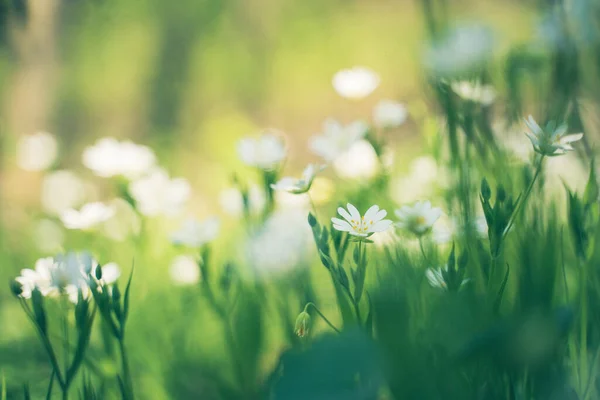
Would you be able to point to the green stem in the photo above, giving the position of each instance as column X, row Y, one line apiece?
column 238, row 368
column 125, row 369
column 65, row 328
column 229, row 337
column 423, row 250
column 47, row 346
column 312, row 205
column 321, row 315
column 586, row 393
column 492, row 270
column 523, row 200
column 583, row 361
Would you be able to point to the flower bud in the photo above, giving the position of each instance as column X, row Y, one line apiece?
column 302, row 324
column 486, row 192
column 16, row 288
column 98, row 272
column 501, row 194
column 116, row 294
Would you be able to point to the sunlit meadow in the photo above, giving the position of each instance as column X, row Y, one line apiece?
column 299, row 200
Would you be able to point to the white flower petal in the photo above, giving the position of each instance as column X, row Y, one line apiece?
column 353, row 212
column 381, row 226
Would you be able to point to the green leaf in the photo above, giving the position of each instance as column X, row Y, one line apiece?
column 500, row 294
column 344, row 302
column 26, row 393
column 325, row 260
column 452, row 258
column 83, row 340
column 591, row 190
column 50, row 385
column 369, row 321
column 126, row 297
column 3, row 393
column 341, row 367
column 37, row 301
column 312, row 220
column 247, row 326
column 343, row 277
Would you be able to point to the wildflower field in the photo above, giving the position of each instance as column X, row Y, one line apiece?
column 345, row 200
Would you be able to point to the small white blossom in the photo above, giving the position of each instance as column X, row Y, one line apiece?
column 419, row 218
column 355, row 83
column 337, row 139
column 372, row 222
column 36, row 278
column 158, row 194
column 301, row 185
column 359, row 162
column 474, row 91
column 36, row 152
column 266, row 152
column 389, row 114
column 110, row 157
column 62, row 190
column 195, row 234
column 184, row 270
column 89, row 216
column 65, row 274
column 551, row 140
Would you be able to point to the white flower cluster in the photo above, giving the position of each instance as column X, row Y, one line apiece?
column 66, row 274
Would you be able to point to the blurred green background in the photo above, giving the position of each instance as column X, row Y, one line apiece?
column 189, row 78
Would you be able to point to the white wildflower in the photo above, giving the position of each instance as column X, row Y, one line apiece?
column 110, row 157
column 419, row 218
column 389, row 114
column 39, row 277
column 299, row 185
column 359, row 162
column 184, row 270
column 372, row 222
column 266, row 152
column 36, row 152
column 355, row 83
column 337, row 139
column 158, row 194
column 89, row 216
column 551, row 140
